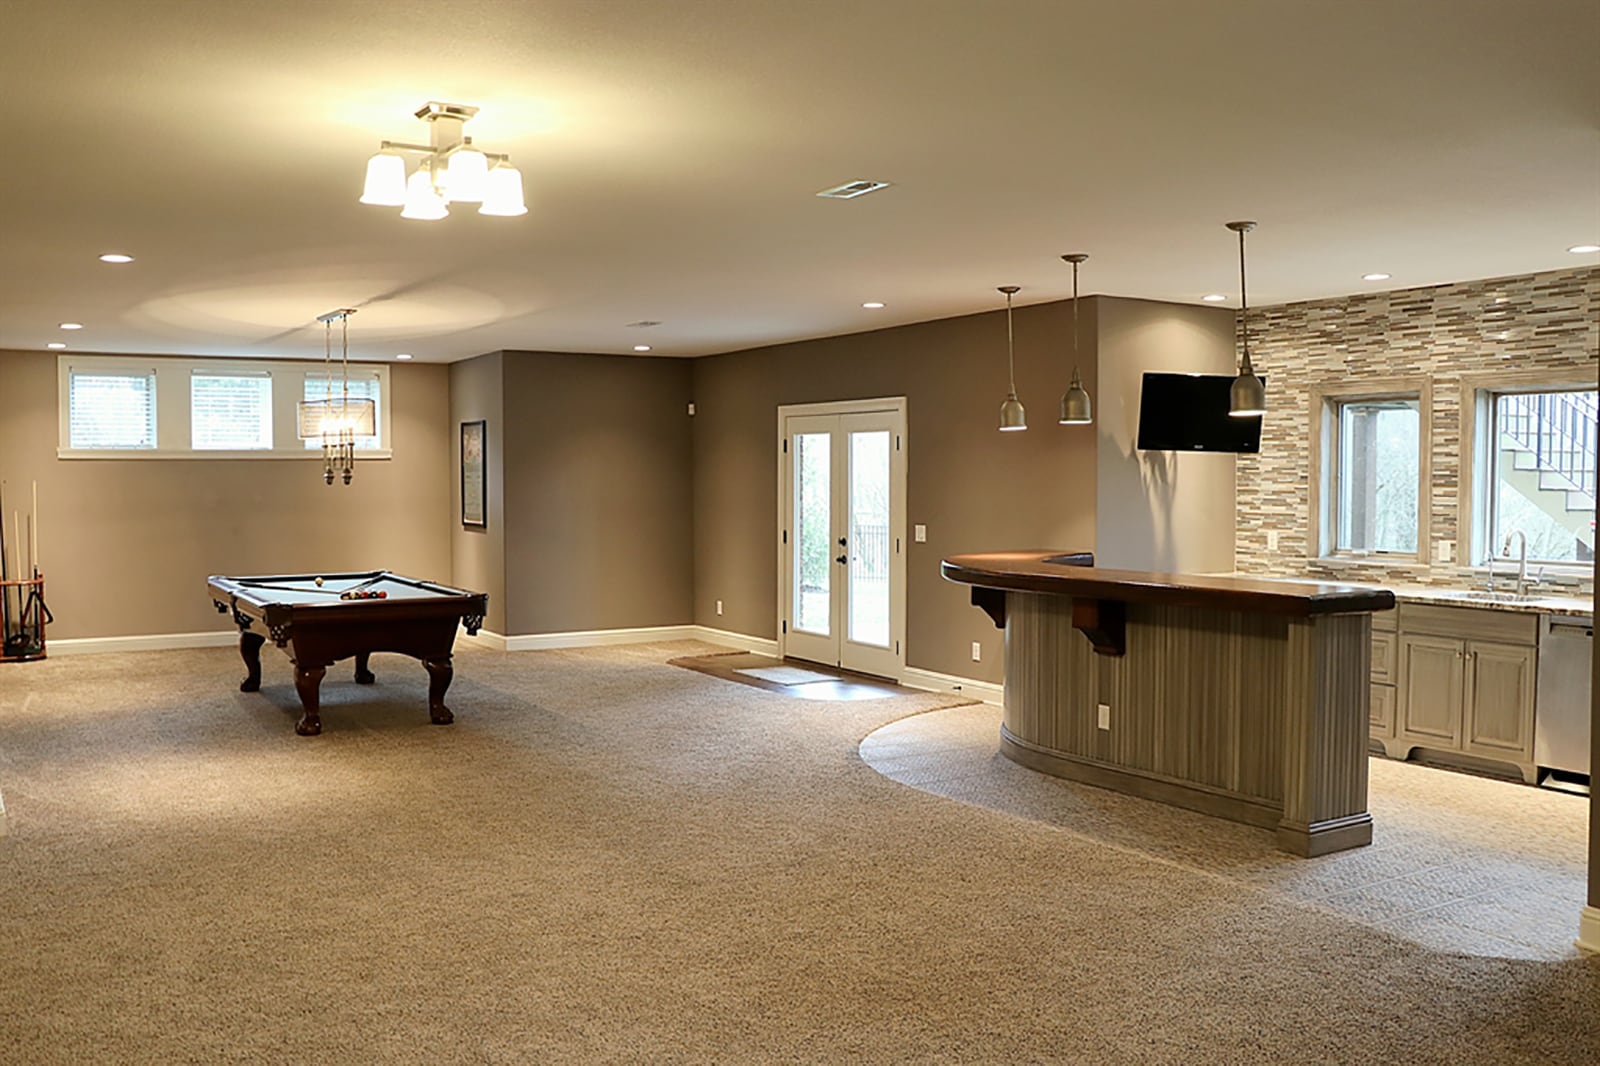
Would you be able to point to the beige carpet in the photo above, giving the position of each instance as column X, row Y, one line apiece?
column 1458, row 862
column 609, row 859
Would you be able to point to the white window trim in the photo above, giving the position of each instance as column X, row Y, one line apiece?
column 1477, row 461
column 1324, row 461
column 173, row 436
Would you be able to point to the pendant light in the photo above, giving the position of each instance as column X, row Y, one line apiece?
column 1012, row 416
column 1248, row 396
column 1075, row 407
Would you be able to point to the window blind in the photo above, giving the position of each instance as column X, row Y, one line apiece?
column 230, row 412
column 362, row 387
column 116, row 410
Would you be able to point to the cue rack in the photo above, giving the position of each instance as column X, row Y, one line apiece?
column 23, row 613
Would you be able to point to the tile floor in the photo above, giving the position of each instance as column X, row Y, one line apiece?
column 1459, row 863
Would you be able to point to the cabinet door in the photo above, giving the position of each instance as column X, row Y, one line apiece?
column 1499, row 700
column 1430, row 690
column 1380, row 715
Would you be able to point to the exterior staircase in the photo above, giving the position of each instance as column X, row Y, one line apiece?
column 1547, row 453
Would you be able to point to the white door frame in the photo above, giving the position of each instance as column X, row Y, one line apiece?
column 894, row 406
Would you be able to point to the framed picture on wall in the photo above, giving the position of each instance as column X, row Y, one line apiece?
column 474, row 483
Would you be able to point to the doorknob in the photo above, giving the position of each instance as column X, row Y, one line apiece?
column 840, row 560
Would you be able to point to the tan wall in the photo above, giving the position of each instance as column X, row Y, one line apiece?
column 976, row 489
column 1159, row 510
column 127, row 544
column 598, row 486
column 478, row 556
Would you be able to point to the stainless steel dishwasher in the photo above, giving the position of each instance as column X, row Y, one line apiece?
column 1562, row 711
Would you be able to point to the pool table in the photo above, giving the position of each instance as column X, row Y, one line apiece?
column 319, row 619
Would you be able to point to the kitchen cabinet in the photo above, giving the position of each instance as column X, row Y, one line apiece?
column 1463, row 683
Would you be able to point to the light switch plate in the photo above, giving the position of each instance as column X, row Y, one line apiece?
column 1272, row 540
column 977, row 652
column 1447, row 550
column 1105, row 715
column 919, row 534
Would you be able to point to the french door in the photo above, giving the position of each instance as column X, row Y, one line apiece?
column 841, row 543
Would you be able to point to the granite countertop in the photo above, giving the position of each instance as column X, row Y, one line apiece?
column 1537, row 600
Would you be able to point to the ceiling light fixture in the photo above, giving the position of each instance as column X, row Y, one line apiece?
column 1012, row 415
column 116, row 257
column 1213, row 298
column 1248, row 396
column 1584, row 249
column 1376, row 277
column 1075, row 407
column 451, row 170
column 337, row 422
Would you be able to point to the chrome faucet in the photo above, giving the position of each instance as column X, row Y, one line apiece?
column 1522, row 563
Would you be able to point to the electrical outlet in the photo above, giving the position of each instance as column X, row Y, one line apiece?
column 1272, row 540
column 1105, row 715
column 1447, row 550
column 691, row 410
column 719, row 606
column 919, row 534
column 977, row 652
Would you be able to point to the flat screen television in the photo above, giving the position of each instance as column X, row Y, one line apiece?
column 1189, row 413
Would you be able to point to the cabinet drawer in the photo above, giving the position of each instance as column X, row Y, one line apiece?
column 1381, row 711
column 1467, row 623
column 1385, row 647
column 1386, row 621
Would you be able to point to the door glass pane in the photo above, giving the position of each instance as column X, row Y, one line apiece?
column 813, row 563
column 1378, row 455
column 869, row 538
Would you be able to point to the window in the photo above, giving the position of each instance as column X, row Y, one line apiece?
column 1370, row 498
column 111, row 410
column 1377, row 476
column 211, row 408
column 1538, row 452
column 363, row 386
column 230, row 411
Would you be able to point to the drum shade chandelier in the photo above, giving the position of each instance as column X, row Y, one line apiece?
column 1075, row 407
column 337, row 422
column 450, row 170
column 1248, row 396
column 1012, row 415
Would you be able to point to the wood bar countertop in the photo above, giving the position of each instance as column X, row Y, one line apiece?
column 1073, row 574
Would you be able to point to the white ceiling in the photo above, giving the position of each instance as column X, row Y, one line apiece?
column 671, row 151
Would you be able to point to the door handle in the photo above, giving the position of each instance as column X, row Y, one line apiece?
column 840, row 560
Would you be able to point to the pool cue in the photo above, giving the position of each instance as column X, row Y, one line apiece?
column 5, row 591
column 33, row 532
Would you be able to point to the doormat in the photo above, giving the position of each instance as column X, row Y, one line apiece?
column 787, row 675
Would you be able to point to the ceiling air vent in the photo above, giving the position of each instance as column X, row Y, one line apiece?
column 850, row 190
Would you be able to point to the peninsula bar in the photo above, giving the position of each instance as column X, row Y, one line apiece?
column 1239, row 698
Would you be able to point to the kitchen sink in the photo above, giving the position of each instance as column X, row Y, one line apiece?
column 1485, row 596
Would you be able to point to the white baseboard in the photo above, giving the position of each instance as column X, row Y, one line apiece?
column 761, row 645
column 929, row 681
column 594, row 638
column 484, row 638
column 1589, row 931
column 149, row 642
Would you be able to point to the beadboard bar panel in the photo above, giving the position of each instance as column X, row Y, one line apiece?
column 1240, row 708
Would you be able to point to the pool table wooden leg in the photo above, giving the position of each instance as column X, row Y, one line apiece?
column 309, row 684
column 363, row 675
column 250, row 651
column 440, row 673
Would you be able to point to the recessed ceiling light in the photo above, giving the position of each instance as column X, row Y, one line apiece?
column 641, row 347
column 1584, row 249
column 56, row 344
column 1376, row 277
column 116, row 257
column 402, row 355
column 873, row 304
column 1213, row 298
column 72, row 325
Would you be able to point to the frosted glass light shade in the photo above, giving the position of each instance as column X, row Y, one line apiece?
column 421, row 199
column 328, row 418
column 466, row 176
column 386, row 180
column 502, row 193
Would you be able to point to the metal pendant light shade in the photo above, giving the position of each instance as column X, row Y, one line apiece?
column 1248, row 396
column 1075, row 407
column 1012, row 415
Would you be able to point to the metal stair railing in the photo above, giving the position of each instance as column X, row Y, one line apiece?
column 1557, row 429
